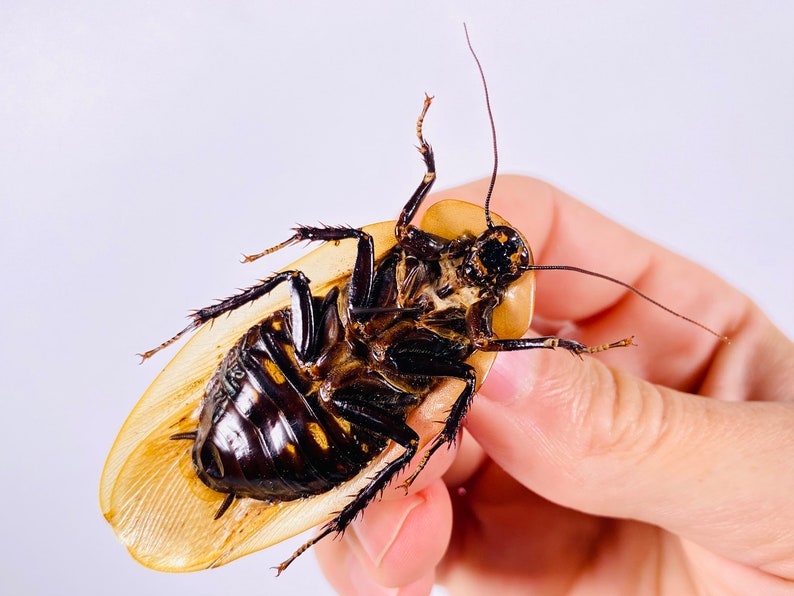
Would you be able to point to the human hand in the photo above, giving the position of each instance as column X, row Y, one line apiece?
column 665, row 468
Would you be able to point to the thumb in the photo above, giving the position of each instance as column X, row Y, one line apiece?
column 604, row 442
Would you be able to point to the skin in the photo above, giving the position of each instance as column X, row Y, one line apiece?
column 664, row 468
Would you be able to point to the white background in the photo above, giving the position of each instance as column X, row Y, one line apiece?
column 144, row 146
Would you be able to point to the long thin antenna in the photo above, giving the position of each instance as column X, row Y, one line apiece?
column 493, row 132
column 721, row 337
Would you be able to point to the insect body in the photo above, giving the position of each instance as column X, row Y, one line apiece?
column 292, row 406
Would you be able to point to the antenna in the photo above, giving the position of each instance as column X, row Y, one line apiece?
column 493, row 133
column 723, row 338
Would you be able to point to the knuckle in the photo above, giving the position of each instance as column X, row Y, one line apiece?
column 625, row 419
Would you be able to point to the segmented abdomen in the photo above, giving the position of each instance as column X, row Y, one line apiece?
column 264, row 433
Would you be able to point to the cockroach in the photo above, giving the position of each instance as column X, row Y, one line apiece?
column 303, row 406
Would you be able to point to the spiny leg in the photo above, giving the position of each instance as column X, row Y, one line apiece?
column 549, row 342
column 363, row 270
column 409, row 210
column 380, row 422
column 479, row 325
column 360, row 282
column 209, row 313
column 418, row 364
column 411, row 238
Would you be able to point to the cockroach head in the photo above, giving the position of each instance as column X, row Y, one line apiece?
column 497, row 258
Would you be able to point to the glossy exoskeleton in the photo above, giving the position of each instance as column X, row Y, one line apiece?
column 313, row 393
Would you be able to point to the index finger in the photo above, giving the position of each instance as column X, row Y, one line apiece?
column 563, row 231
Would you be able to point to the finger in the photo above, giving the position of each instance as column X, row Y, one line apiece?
column 606, row 443
column 397, row 543
column 562, row 231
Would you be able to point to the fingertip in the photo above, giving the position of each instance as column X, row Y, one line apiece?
column 397, row 543
column 401, row 540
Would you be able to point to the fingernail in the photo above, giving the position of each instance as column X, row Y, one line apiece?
column 376, row 533
column 512, row 375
